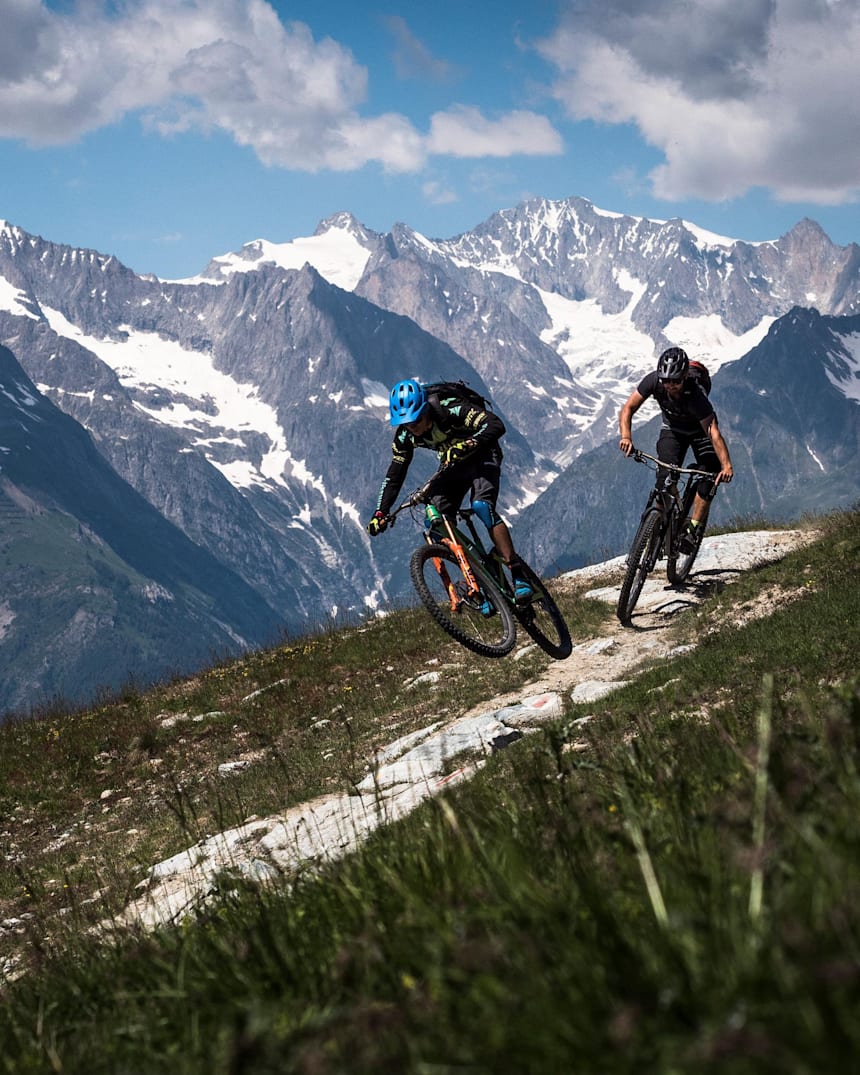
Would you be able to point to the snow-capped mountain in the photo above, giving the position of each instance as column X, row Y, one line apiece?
column 566, row 305
column 247, row 404
column 790, row 413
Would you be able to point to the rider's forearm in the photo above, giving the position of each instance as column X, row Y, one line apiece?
column 391, row 486
column 625, row 417
column 721, row 448
column 484, row 427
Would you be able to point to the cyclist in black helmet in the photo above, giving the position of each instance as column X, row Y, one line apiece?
column 466, row 439
column 689, row 421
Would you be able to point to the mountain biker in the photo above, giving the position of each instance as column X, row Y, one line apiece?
column 466, row 439
column 689, row 420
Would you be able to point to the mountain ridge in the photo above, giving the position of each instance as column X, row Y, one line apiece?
column 248, row 405
column 72, row 528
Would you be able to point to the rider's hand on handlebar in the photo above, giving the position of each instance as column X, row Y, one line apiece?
column 377, row 524
column 626, row 446
column 725, row 475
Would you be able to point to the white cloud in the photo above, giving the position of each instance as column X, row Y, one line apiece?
column 465, row 132
column 229, row 65
column 412, row 59
column 437, row 193
column 736, row 96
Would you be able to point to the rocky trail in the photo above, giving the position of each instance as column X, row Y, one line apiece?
column 419, row 765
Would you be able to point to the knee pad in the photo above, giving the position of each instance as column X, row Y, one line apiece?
column 706, row 488
column 486, row 513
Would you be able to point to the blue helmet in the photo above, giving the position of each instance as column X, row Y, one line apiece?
column 406, row 402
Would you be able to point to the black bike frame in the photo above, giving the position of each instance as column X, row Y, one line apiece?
column 471, row 541
column 672, row 504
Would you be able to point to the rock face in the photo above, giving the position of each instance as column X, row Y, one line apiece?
column 559, row 304
column 97, row 585
column 247, row 406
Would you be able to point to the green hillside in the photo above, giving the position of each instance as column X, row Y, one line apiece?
column 669, row 886
column 75, row 616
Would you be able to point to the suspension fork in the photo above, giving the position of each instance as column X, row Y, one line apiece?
column 462, row 561
column 672, row 515
column 664, row 501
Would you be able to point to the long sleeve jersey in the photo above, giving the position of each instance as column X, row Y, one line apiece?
column 453, row 420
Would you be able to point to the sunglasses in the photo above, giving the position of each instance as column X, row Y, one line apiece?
column 673, row 380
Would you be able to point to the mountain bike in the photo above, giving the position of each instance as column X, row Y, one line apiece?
column 465, row 588
column 660, row 528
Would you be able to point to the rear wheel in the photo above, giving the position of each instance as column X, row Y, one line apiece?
column 542, row 620
column 641, row 560
column 481, row 622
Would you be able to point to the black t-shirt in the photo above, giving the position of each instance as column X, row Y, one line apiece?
column 685, row 415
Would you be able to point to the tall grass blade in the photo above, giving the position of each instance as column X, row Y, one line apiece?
column 764, row 724
column 649, row 874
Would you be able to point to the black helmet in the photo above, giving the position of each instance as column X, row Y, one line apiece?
column 673, row 364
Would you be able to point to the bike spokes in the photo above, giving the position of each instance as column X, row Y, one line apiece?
column 542, row 620
column 477, row 615
column 643, row 556
column 681, row 563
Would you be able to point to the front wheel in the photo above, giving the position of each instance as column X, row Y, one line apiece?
column 680, row 564
column 542, row 620
column 643, row 556
column 481, row 622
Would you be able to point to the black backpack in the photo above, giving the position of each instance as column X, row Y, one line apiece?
column 459, row 390
column 699, row 372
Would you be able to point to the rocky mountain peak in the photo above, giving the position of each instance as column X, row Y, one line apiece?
column 808, row 231
column 346, row 222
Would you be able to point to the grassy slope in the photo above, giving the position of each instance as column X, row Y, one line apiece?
column 673, row 885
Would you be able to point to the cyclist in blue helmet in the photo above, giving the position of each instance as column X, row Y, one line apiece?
column 466, row 439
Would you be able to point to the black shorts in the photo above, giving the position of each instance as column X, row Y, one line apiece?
column 480, row 475
column 673, row 445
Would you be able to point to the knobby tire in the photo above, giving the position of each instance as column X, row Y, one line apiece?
column 642, row 557
column 492, row 636
column 542, row 620
column 680, row 564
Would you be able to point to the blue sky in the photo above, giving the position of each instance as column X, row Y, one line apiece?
column 170, row 131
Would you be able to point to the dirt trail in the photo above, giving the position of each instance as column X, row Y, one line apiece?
column 419, row 765
column 611, row 658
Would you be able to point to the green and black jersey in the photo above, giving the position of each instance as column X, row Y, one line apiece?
column 453, row 420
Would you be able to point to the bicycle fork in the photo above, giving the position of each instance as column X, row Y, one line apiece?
column 462, row 562
column 668, row 503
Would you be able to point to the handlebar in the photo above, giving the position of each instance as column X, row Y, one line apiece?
column 641, row 457
column 420, row 496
